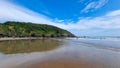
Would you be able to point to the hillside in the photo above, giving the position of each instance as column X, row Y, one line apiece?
column 27, row 29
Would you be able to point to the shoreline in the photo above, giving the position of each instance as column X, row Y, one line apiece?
column 27, row 38
column 18, row 38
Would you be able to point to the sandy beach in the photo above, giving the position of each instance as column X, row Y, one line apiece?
column 61, row 64
column 72, row 54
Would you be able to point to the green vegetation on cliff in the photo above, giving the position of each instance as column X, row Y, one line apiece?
column 23, row 29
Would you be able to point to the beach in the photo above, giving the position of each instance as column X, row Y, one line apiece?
column 73, row 53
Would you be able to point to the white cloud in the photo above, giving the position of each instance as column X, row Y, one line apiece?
column 13, row 12
column 114, row 13
column 94, row 5
column 108, row 21
column 101, row 3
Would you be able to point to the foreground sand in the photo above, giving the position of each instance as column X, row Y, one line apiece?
column 62, row 64
column 74, row 54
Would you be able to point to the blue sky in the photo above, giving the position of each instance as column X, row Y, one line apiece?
column 81, row 17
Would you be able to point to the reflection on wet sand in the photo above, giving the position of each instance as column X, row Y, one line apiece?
column 27, row 46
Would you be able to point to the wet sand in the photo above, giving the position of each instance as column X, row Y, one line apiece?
column 73, row 54
column 61, row 64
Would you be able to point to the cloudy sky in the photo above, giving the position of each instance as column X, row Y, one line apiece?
column 81, row 17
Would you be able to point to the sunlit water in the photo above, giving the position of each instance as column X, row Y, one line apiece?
column 60, row 53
